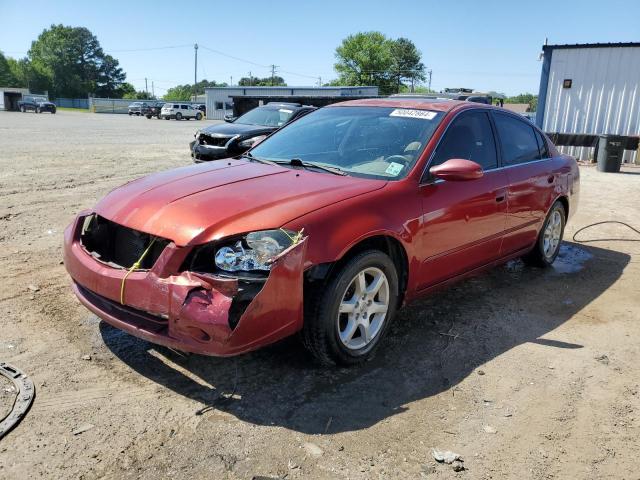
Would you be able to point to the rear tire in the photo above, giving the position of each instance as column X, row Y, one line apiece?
column 23, row 109
column 347, row 318
column 547, row 246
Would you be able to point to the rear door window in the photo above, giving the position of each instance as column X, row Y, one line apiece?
column 519, row 144
column 469, row 137
column 542, row 145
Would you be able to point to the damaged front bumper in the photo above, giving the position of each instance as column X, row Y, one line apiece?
column 189, row 311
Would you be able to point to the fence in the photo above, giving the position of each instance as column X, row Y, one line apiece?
column 72, row 102
column 117, row 105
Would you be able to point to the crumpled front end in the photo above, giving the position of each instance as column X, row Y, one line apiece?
column 190, row 311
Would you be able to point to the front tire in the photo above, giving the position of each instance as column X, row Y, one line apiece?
column 547, row 246
column 346, row 320
column 198, row 116
column 37, row 109
column 178, row 116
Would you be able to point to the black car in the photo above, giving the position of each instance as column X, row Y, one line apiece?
column 238, row 135
column 151, row 109
column 202, row 107
column 37, row 104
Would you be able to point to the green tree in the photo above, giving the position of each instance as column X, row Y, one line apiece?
column 365, row 59
column 529, row 98
column 370, row 58
column 277, row 81
column 138, row 95
column 185, row 92
column 407, row 63
column 180, row 92
column 125, row 90
column 69, row 61
column 7, row 77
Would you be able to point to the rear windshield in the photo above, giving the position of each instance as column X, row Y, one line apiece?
column 268, row 117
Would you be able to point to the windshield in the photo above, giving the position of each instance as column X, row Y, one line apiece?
column 268, row 117
column 375, row 142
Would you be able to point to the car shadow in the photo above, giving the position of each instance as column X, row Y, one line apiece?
column 432, row 346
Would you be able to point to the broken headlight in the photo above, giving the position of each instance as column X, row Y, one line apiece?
column 250, row 142
column 255, row 251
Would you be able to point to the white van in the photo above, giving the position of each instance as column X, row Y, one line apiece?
column 179, row 111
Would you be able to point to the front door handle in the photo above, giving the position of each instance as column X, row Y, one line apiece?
column 551, row 178
column 500, row 198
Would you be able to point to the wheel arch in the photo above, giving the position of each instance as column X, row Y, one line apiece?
column 384, row 242
column 565, row 203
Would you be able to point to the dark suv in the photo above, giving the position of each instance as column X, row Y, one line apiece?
column 238, row 135
column 151, row 109
column 37, row 104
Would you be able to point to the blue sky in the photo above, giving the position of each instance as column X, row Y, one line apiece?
column 489, row 45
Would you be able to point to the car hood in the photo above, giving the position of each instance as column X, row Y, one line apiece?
column 231, row 129
column 47, row 104
column 201, row 203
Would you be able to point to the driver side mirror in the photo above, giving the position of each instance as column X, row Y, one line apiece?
column 457, row 170
column 229, row 119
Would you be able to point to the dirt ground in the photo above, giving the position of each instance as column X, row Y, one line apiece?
column 526, row 373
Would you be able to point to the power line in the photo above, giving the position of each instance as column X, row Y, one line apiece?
column 234, row 57
column 299, row 74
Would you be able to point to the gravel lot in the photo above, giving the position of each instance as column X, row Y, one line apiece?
column 526, row 373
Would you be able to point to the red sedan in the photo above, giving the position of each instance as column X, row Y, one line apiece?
column 325, row 228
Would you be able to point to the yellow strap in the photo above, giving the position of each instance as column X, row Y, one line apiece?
column 296, row 238
column 135, row 266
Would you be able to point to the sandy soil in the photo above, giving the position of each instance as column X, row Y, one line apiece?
column 525, row 373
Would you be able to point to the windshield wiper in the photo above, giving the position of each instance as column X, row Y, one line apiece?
column 296, row 162
column 256, row 159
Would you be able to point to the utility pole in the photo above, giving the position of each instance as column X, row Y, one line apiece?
column 146, row 88
column 273, row 73
column 250, row 79
column 231, row 81
column 195, row 68
column 153, row 90
column 319, row 81
column 429, row 73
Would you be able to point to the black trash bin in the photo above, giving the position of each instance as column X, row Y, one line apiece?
column 609, row 153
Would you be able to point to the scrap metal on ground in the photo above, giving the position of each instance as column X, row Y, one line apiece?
column 26, row 392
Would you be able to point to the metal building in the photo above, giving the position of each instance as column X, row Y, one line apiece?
column 590, row 89
column 10, row 96
column 220, row 103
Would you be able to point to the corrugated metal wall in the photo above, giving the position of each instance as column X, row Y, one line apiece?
column 604, row 96
column 220, row 97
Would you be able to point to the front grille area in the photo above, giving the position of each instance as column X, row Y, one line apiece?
column 119, row 246
column 213, row 141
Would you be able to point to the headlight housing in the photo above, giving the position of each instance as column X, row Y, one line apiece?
column 250, row 142
column 255, row 251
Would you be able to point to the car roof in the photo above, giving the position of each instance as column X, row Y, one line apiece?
column 279, row 105
column 418, row 103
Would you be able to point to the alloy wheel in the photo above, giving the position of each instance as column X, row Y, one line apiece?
column 552, row 234
column 363, row 308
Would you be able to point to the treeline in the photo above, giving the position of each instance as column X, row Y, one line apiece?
column 66, row 62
